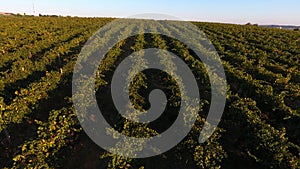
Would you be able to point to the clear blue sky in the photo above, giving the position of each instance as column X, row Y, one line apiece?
column 230, row 11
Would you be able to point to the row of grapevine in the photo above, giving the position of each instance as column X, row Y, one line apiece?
column 259, row 127
column 282, row 144
column 278, row 105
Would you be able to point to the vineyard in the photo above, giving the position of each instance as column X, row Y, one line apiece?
column 260, row 127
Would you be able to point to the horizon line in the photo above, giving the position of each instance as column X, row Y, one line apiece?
column 189, row 20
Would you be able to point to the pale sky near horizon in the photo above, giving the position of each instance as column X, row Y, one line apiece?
column 284, row 12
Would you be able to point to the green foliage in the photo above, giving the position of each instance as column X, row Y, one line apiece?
column 260, row 124
column 52, row 137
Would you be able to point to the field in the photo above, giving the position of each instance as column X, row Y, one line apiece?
column 260, row 127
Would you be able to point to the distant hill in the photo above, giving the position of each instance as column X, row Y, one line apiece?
column 289, row 27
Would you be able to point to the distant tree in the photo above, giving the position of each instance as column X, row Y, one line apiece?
column 296, row 29
column 250, row 24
